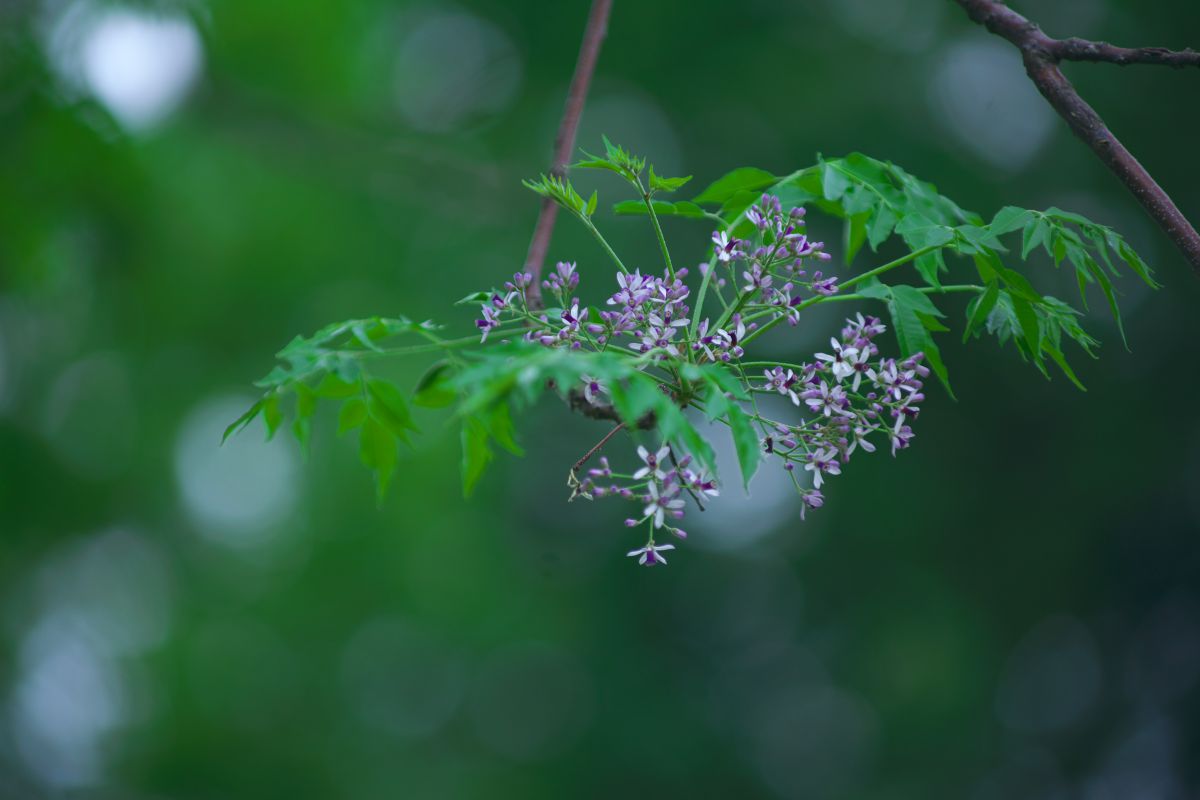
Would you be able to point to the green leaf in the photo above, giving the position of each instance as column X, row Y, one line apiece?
column 745, row 442
column 919, row 232
column 306, row 404
column 739, row 180
column 978, row 310
column 1057, row 356
column 881, row 226
column 500, row 428
column 855, row 235
column 597, row 163
column 660, row 184
column 473, row 298
column 907, row 306
column 1028, row 320
column 930, row 266
column 1019, row 285
column 433, row 388
column 1008, row 219
column 476, row 455
column 352, row 414
column 387, row 406
column 241, row 422
column 834, row 182
column 331, row 386
column 377, row 451
column 663, row 208
column 272, row 414
column 591, row 204
column 1036, row 231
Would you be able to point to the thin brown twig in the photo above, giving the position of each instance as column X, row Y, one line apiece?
column 596, row 448
column 1041, row 55
column 1075, row 49
column 564, row 141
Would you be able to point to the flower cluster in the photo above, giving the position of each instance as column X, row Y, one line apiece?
column 852, row 394
column 658, row 486
column 771, row 270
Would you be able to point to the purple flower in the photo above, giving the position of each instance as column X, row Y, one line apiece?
column 592, row 389
column 564, row 279
column 725, row 247
column 841, row 360
column 810, row 498
column 782, row 382
column 651, row 554
column 491, row 319
column 821, row 462
column 826, row 400
column 825, row 286
column 659, row 504
column 653, row 462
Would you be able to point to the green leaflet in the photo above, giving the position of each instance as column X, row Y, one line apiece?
column 743, row 179
column 476, row 454
column 979, row 309
column 913, row 315
column 745, row 442
column 377, row 452
column 663, row 208
column 661, row 184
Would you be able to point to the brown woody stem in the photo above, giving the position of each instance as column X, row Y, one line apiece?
column 564, row 141
column 1042, row 54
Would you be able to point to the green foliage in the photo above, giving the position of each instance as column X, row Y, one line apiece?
column 879, row 203
column 878, row 200
column 562, row 192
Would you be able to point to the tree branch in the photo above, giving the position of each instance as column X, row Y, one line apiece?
column 564, row 141
column 1084, row 50
column 1041, row 55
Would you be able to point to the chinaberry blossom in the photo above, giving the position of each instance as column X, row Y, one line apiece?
column 651, row 554
column 844, row 400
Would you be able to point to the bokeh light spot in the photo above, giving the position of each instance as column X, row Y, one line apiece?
column 238, row 492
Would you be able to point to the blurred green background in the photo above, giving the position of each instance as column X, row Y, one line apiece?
column 1009, row 609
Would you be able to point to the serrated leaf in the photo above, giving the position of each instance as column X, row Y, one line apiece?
column 739, row 180
column 306, row 404
column 980, row 308
column 596, row 163
column 855, row 232
column 333, row 387
column 906, row 307
column 660, row 184
column 834, row 182
column 1027, row 319
column 745, row 442
column 241, row 422
column 930, row 266
column 919, row 231
column 476, row 455
column 377, row 452
column 1019, row 285
column 500, row 428
column 1036, row 231
column 352, row 414
column 272, row 414
column 473, row 298
column 881, row 226
column 663, row 208
column 386, row 405
column 1008, row 219
column 433, row 388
